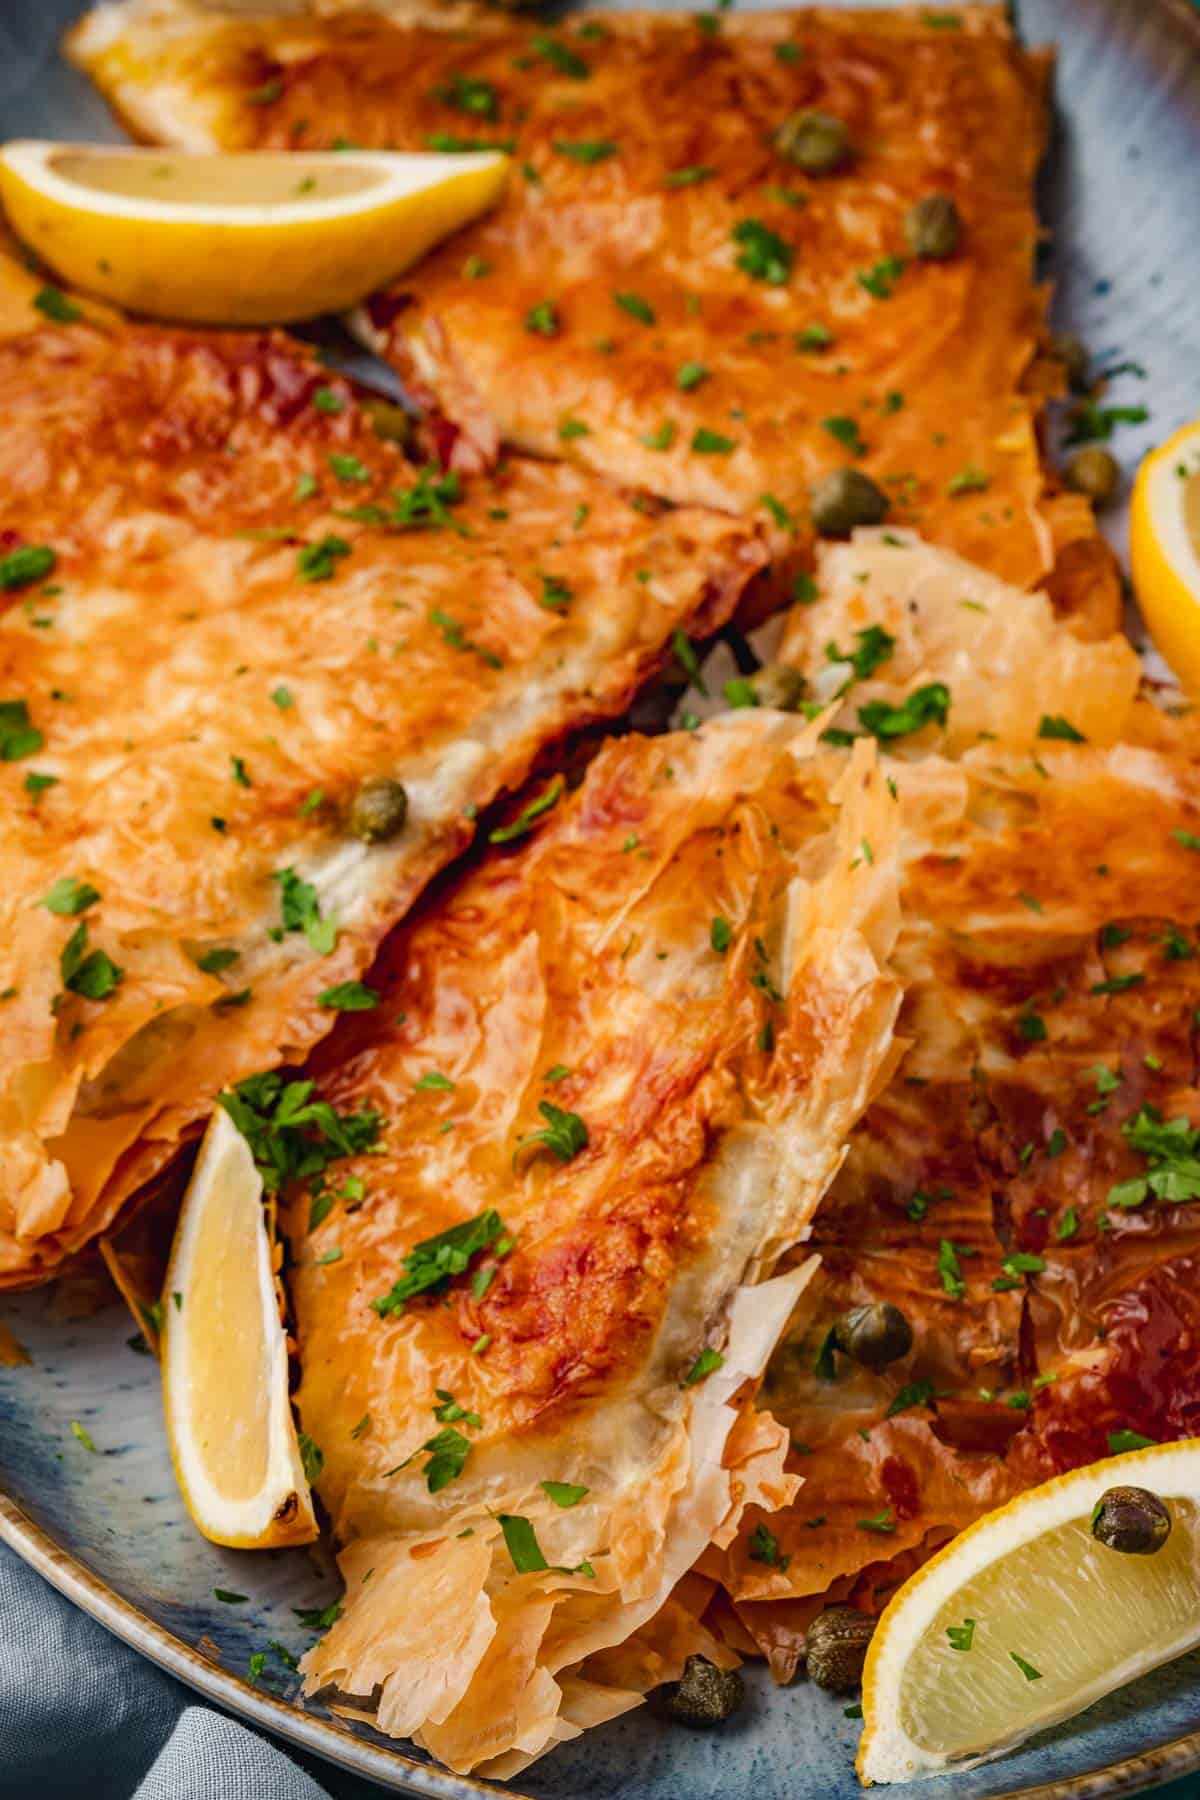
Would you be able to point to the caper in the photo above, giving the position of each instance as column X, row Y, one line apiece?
column 816, row 142
column 378, row 810
column 389, row 422
column 933, row 228
column 836, row 1648
column 874, row 1335
column 1131, row 1520
column 1093, row 472
column 779, row 685
column 703, row 1695
column 1072, row 353
column 844, row 499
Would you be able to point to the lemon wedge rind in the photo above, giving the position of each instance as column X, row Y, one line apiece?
column 225, row 1360
column 238, row 238
column 1164, row 550
column 929, row 1707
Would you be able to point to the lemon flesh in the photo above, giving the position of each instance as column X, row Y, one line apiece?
column 224, row 1356
column 1164, row 550
column 1055, row 1619
column 253, row 238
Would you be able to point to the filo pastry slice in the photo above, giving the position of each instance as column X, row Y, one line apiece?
column 258, row 675
column 1047, row 934
column 700, row 278
column 617, row 1069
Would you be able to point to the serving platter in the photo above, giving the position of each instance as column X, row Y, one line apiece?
column 105, row 1524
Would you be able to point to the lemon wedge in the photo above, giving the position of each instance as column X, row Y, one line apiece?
column 225, row 1361
column 1026, row 1619
column 256, row 238
column 1164, row 549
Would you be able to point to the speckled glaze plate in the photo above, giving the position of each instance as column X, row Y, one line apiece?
column 1121, row 192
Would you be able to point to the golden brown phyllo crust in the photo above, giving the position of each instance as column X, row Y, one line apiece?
column 663, row 295
column 255, row 603
column 680, row 984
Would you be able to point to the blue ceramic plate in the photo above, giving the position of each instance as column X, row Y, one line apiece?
column 108, row 1528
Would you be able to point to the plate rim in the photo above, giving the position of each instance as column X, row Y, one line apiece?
column 325, row 1738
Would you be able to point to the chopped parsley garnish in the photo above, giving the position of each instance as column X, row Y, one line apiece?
column 560, row 56
column 283, row 697
column 22, row 567
column 950, row 1269
column 970, row 479
column 711, row 443
column 1170, row 1147
column 778, row 512
column 318, row 562
column 662, row 438
column 1053, row 725
column 447, row 1450
column 431, row 1264
column 452, row 143
column 1027, row 1669
column 913, row 1393
column 1032, row 1027
column 18, row 736
column 882, row 1522
column 433, row 1081
column 764, row 255
column 689, row 375
column 572, row 428
column 349, row 468
column 258, row 1659
column 1189, row 841
column 82, row 1436
column 319, row 1618
column 291, row 1135
column 688, row 177
column 214, row 961
column 1117, row 984
column 740, row 692
column 228, row 1598
column 68, row 897
column 1091, row 423
column 764, row 1548
column 814, row 337
column 301, row 911
column 52, row 303
column 35, row 784
column 564, row 1134
column 825, row 1367
column 328, row 400
column 543, row 319
column 961, row 1637
column 685, row 654
column 349, row 996
column 564, row 1493
column 874, row 647
column 523, row 1547
column 530, row 814
column 454, row 634
column 636, row 307
column 720, row 935
column 470, row 94
column 556, row 594
column 311, row 1456
column 91, row 973
column 1120, row 1441
column 927, row 705
column 881, row 278
column 708, row 1361
column 585, row 150
column 846, row 431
